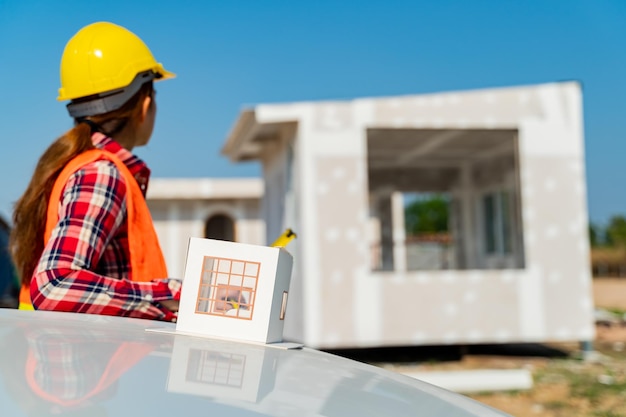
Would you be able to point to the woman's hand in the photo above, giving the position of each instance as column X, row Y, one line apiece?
column 171, row 305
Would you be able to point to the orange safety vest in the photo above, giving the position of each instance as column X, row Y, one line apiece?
column 146, row 258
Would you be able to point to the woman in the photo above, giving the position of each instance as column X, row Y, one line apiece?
column 83, row 239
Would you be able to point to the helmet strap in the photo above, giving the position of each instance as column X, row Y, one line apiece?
column 109, row 100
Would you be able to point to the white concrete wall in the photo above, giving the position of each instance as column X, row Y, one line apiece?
column 348, row 305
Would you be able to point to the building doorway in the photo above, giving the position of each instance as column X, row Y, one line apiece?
column 220, row 227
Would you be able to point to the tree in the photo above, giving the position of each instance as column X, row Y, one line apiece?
column 595, row 234
column 427, row 215
column 616, row 231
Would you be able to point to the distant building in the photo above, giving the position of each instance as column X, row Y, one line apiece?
column 608, row 262
column 227, row 209
column 515, row 266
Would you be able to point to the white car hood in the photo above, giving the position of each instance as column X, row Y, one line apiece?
column 66, row 364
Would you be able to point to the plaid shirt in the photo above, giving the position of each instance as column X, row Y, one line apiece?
column 85, row 266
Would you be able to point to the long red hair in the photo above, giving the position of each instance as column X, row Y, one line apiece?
column 29, row 216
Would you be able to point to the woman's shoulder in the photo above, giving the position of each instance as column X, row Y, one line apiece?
column 100, row 166
column 97, row 183
column 97, row 173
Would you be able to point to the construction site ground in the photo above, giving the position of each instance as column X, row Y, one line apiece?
column 566, row 383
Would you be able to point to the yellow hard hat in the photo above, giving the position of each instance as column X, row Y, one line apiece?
column 103, row 57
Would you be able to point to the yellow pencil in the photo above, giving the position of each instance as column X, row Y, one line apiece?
column 284, row 239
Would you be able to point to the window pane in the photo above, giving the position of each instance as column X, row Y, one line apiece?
column 505, row 198
column 489, row 221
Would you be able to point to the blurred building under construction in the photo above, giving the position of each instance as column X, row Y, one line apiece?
column 513, row 265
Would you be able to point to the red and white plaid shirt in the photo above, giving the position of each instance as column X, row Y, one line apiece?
column 85, row 266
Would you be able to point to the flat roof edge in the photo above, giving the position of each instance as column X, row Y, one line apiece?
column 205, row 188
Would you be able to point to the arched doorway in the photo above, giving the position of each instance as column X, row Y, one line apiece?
column 221, row 227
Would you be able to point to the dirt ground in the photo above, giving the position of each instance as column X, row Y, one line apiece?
column 610, row 292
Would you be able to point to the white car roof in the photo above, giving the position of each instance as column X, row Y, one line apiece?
column 67, row 364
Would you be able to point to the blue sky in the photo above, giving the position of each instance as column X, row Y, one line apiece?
column 230, row 54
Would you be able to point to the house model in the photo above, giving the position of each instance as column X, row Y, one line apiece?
column 235, row 291
column 510, row 161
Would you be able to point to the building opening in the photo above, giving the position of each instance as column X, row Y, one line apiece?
column 444, row 199
column 220, row 227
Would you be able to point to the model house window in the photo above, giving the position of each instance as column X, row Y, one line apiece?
column 228, row 287
column 497, row 221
